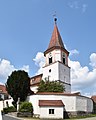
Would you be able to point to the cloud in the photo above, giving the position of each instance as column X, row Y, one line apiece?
column 84, row 8
column 6, row 69
column 93, row 60
column 82, row 78
column 74, row 52
column 73, row 4
column 77, row 5
column 25, row 68
column 39, row 61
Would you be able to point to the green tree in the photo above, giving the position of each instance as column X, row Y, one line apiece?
column 50, row 86
column 18, row 85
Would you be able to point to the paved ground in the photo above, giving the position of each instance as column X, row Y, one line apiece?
column 9, row 117
column 6, row 117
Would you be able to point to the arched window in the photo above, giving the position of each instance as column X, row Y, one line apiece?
column 50, row 58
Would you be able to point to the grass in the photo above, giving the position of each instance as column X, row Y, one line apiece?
column 86, row 116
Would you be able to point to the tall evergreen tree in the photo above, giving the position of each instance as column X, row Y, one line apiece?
column 18, row 85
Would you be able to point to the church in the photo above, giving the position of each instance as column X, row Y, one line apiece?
column 51, row 104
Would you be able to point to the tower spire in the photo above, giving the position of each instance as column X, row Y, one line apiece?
column 56, row 40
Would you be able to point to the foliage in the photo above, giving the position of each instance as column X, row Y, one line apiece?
column 18, row 85
column 9, row 109
column 26, row 107
column 50, row 86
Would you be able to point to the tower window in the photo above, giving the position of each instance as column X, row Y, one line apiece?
column 64, row 60
column 50, row 60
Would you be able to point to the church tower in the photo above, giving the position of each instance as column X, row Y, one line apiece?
column 56, row 66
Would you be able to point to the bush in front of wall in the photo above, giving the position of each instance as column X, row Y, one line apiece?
column 25, row 110
column 9, row 109
column 26, row 107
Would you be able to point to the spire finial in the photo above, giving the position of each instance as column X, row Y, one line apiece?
column 55, row 18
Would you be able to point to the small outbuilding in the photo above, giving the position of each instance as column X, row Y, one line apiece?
column 53, row 109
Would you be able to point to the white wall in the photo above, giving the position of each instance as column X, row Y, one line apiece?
column 58, row 72
column 64, row 73
column 53, row 75
column 58, row 112
column 72, row 103
column 69, row 102
column 0, row 115
column 56, row 56
column 84, row 104
column 64, row 76
column 34, row 88
column 89, row 105
column 34, row 99
column 67, row 88
column 3, row 103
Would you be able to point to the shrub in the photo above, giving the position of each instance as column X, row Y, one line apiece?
column 50, row 86
column 9, row 109
column 26, row 107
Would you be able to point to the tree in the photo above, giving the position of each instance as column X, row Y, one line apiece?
column 18, row 85
column 50, row 86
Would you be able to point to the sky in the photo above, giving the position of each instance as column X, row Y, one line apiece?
column 25, row 31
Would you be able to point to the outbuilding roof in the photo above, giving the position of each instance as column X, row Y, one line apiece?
column 55, row 103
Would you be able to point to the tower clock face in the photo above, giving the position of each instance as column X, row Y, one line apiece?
column 50, row 55
column 63, row 55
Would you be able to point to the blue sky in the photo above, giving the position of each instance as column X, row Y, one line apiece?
column 25, row 30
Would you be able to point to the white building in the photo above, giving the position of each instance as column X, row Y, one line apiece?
column 56, row 69
column 5, row 100
column 72, row 104
column 51, row 109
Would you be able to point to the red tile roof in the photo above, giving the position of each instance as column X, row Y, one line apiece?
column 60, row 93
column 94, row 98
column 55, row 93
column 56, row 103
column 35, row 80
column 3, row 89
column 56, row 39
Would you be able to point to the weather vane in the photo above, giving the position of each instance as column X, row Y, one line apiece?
column 55, row 19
